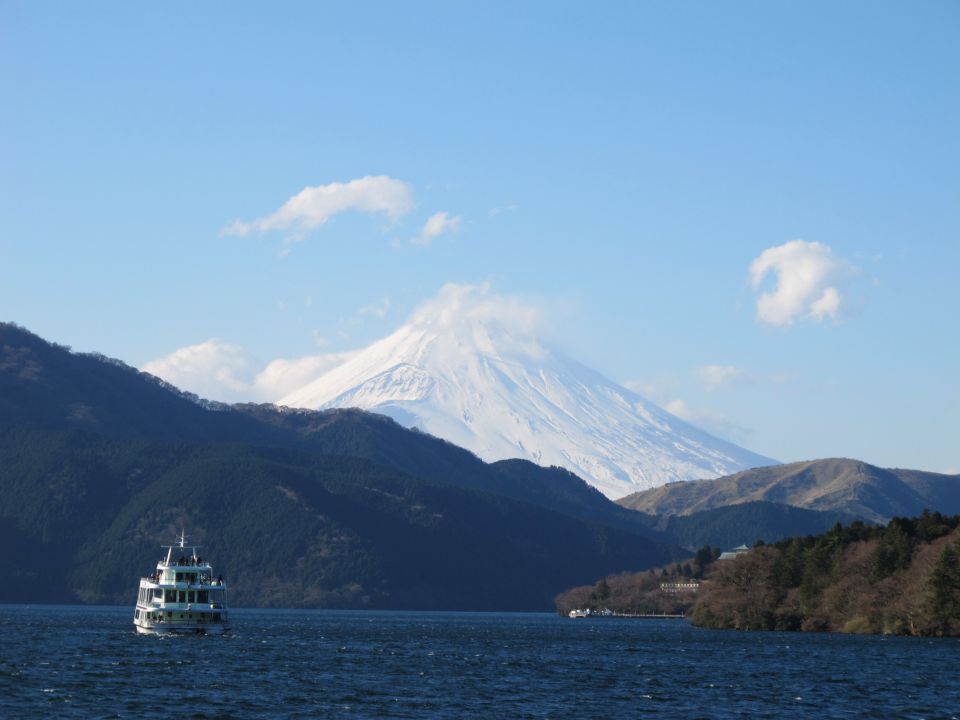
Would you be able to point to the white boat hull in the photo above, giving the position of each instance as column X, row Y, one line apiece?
column 181, row 629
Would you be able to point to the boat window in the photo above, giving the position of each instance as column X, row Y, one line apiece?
column 189, row 596
column 170, row 596
column 203, row 596
column 183, row 596
column 158, row 594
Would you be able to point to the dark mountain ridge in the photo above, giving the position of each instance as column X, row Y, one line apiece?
column 100, row 463
column 45, row 385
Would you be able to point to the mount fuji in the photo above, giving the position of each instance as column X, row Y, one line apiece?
column 477, row 375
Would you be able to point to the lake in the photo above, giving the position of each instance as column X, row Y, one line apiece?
column 66, row 661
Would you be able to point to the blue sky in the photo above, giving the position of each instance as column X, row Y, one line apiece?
column 619, row 165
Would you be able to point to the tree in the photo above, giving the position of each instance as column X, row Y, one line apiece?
column 704, row 557
column 894, row 550
column 943, row 600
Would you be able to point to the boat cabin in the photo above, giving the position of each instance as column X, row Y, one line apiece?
column 182, row 594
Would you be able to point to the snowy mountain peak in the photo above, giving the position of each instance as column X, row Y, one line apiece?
column 478, row 376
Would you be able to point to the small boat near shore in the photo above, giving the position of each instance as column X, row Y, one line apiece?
column 607, row 613
column 182, row 595
column 588, row 612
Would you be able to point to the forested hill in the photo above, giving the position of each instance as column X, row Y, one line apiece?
column 746, row 523
column 45, row 386
column 903, row 578
column 100, row 463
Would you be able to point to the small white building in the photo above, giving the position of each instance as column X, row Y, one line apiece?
column 736, row 552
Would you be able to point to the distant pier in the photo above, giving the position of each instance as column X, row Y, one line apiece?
column 650, row 616
column 586, row 613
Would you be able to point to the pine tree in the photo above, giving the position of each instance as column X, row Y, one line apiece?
column 944, row 591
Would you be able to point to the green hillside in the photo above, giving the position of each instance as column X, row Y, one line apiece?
column 903, row 578
column 733, row 525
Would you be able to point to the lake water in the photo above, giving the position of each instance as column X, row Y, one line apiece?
column 60, row 661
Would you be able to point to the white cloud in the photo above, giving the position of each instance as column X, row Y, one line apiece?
column 460, row 306
column 648, row 390
column 281, row 377
column 678, row 408
column 437, row 224
column 377, row 310
column 806, row 286
column 219, row 371
column 716, row 423
column 315, row 205
column 212, row 369
column 714, row 376
column 827, row 305
column 713, row 422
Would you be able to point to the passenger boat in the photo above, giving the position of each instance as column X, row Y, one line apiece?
column 182, row 595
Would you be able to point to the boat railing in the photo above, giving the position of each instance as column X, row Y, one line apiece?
column 156, row 604
column 203, row 582
column 184, row 562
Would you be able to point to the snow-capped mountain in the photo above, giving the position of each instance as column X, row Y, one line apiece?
column 501, row 393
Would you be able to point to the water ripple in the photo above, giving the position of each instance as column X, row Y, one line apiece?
column 88, row 662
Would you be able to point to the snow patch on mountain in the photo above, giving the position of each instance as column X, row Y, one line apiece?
column 471, row 370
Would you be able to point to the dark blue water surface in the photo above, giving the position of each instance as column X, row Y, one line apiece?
column 88, row 662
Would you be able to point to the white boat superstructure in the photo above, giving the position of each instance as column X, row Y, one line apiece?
column 182, row 595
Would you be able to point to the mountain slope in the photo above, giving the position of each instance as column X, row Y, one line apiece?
column 732, row 525
column 100, row 463
column 47, row 386
column 502, row 394
column 87, row 515
column 851, row 487
column 378, row 438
